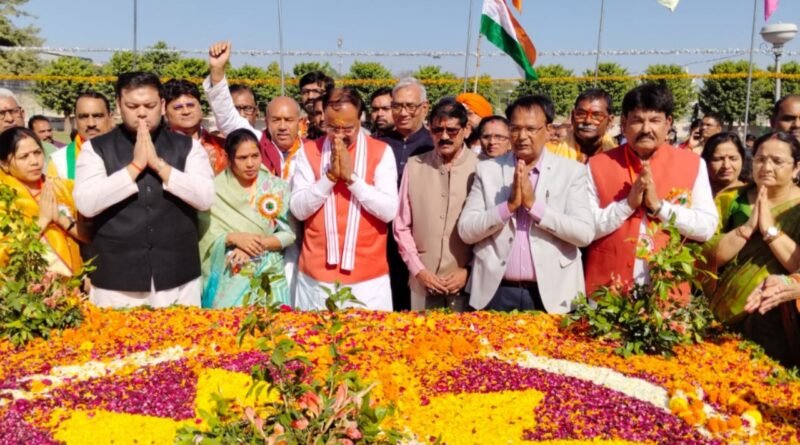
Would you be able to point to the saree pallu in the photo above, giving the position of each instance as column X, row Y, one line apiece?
column 63, row 253
column 264, row 212
column 754, row 263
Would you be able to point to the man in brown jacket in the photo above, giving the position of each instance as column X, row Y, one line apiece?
column 432, row 193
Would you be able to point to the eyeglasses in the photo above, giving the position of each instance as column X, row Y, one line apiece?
column 496, row 137
column 516, row 129
column 594, row 116
column 775, row 161
column 10, row 112
column 336, row 129
column 451, row 131
column 246, row 109
column 410, row 107
column 189, row 106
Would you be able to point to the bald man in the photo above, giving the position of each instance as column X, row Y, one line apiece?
column 280, row 142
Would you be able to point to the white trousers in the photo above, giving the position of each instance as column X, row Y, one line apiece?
column 376, row 294
column 186, row 295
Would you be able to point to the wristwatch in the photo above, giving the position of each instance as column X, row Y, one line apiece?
column 353, row 177
column 771, row 234
column 654, row 213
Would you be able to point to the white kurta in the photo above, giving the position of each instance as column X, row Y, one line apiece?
column 380, row 200
column 96, row 191
column 697, row 222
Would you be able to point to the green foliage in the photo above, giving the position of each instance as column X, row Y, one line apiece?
column 646, row 319
column 60, row 95
column 303, row 68
column 562, row 93
column 264, row 92
column 159, row 57
column 369, row 76
column 35, row 302
column 683, row 90
column 787, row 86
column 728, row 96
column 12, row 35
column 309, row 409
column 438, row 83
column 616, row 87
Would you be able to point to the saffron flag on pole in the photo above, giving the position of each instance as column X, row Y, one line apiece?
column 517, row 4
column 505, row 32
column 769, row 7
column 671, row 4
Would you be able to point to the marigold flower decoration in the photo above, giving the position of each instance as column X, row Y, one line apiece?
column 269, row 205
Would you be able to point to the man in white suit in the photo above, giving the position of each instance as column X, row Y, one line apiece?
column 527, row 214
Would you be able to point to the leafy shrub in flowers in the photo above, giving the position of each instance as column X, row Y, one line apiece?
column 309, row 404
column 33, row 301
column 648, row 318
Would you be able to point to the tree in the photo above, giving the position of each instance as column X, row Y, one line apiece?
column 788, row 86
column 438, row 83
column 264, row 92
column 617, row 87
column 158, row 57
column 683, row 91
column 12, row 35
column 188, row 68
column 367, row 77
column 304, row 68
column 125, row 61
column 727, row 96
column 561, row 92
column 60, row 95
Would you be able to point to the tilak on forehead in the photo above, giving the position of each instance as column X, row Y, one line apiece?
column 339, row 121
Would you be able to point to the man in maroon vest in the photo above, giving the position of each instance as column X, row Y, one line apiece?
column 644, row 180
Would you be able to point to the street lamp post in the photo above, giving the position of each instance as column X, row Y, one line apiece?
column 778, row 34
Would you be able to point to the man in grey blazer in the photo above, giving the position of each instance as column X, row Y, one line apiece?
column 527, row 214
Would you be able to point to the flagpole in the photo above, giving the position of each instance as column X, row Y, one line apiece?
column 599, row 41
column 750, row 72
column 477, row 63
column 466, row 54
column 280, row 47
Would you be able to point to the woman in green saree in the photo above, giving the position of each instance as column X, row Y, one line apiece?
column 761, row 229
column 246, row 229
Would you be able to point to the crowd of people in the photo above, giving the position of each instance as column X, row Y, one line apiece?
column 411, row 205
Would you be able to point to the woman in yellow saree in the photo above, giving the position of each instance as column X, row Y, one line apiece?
column 761, row 231
column 47, row 201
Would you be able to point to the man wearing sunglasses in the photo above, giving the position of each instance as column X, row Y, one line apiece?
column 184, row 114
column 432, row 193
column 590, row 118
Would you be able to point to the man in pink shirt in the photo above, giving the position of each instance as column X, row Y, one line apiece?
column 432, row 194
column 526, row 214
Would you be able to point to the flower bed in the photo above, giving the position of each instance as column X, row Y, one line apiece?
column 477, row 378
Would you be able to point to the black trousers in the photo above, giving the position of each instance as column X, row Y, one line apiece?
column 398, row 275
column 516, row 295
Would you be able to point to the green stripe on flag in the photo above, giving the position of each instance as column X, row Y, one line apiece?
column 496, row 34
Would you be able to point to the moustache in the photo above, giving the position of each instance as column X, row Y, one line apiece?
column 587, row 127
column 645, row 136
column 444, row 143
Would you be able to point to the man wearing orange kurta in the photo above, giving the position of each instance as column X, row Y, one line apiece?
column 345, row 191
column 644, row 180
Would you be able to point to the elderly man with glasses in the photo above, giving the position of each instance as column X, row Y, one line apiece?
column 590, row 118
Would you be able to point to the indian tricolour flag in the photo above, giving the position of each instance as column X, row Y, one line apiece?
column 505, row 32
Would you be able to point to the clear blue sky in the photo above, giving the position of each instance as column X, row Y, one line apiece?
column 416, row 25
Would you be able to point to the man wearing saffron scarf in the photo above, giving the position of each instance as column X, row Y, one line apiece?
column 644, row 180
column 281, row 142
column 92, row 118
column 185, row 115
column 345, row 191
